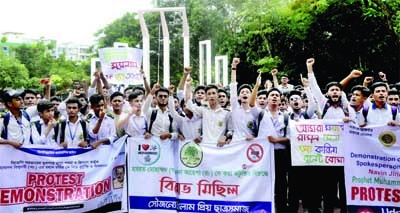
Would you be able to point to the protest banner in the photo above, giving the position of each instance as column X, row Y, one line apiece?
column 122, row 65
column 35, row 178
column 316, row 142
column 171, row 176
column 372, row 168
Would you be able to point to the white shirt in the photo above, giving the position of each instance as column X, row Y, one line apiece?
column 107, row 129
column 162, row 122
column 73, row 133
column 215, row 122
column 377, row 116
column 41, row 138
column 243, row 121
column 190, row 128
column 18, row 130
column 136, row 125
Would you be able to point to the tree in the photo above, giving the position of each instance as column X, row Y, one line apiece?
column 14, row 74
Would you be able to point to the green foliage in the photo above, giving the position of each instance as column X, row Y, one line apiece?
column 14, row 74
column 267, row 64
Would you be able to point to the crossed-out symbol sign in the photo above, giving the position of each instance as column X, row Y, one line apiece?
column 255, row 153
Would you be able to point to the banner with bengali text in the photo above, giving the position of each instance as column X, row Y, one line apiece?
column 35, row 178
column 171, row 176
column 122, row 65
column 372, row 168
column 316, row 142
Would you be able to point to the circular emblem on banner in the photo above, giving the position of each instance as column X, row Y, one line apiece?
column 148, row 153
column 387, row 138
column 191, row 155
column 255, row 153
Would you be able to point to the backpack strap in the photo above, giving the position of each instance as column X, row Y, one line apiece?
column 365, row 112
column 170, row 123
column 62, row 133
column 38, row 126
column 326, row 107
column 84, row 130
column 260, row 117
column 394, row 112
column 286, row 122
column 152, row 119
column 6, row 120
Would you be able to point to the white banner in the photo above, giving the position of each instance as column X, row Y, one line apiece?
column 316, row 142
column 372, row 168
column 38, row 179
column 122, row 65
column 171, row 176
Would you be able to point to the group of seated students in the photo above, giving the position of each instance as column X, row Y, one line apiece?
column 210, row 114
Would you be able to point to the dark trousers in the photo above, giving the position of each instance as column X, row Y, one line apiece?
column 282, row 162
column 333, row 178
column 310, row 186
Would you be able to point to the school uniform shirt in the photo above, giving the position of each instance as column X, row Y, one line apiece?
column 377, row 116
column 40, row 138
column 73, row 133
column 215, row 122
column 136, row 125
column 162, row 122
column 189, row 127
column 107, row 129
column 18, row 129
column 243, row 121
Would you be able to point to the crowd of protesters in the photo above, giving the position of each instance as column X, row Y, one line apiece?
column 102, row 113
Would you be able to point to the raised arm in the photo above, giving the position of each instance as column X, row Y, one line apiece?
column 146, row 84
column 253, row 96
column 313, row 83
column 347, row 79
column 186, row 72
column 274, row 72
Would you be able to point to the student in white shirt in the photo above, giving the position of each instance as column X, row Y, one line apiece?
column 43, row 129
column 189, row 125
column 243, row 120
column 134, row 122
column 18, row 130
column 102, row 128
column 72, row 132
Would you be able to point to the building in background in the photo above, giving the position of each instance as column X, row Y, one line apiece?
column 71, row 51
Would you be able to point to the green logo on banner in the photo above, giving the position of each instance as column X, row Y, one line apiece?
column 191, row 155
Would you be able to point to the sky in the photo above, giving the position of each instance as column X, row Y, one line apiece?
column 64, row 20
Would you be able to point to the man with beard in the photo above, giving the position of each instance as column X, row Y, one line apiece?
column 335, row 106
column 243, row 120
column 161, row 123
column 379, row 111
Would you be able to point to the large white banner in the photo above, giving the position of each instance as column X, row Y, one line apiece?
column 121, row 65
column 171, row 176
column 316, row 142
column 38, row 179
column 372, row 169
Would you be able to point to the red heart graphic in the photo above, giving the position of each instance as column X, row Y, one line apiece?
column 145, row 147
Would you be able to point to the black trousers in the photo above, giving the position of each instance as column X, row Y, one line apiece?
column 333, row 180
column 282, row 164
